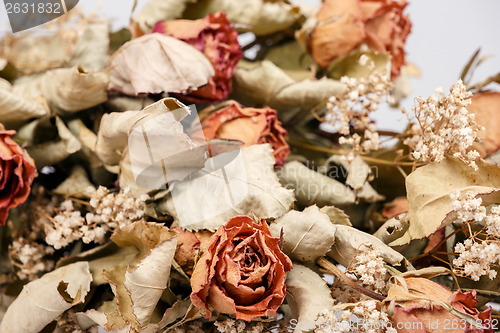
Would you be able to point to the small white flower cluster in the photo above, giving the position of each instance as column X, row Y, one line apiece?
column 364, row 317
column 468, row 207
column 29, row 258
column 238, row 326
column 370, row 268
column 445, row 127
column 110, row 212
column 477, row 257
column 115, row 210
column 353, row 108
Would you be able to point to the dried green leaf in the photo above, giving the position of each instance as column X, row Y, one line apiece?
column 265, row 196
column 350, row 66
column 307, row 235
column 47, row 298
column 312, row 187
column 350, row 241
column 336, row 215
column 307, row 294
column 156, row 63
column 258, row 16
column 429, row 187
column 267, row 84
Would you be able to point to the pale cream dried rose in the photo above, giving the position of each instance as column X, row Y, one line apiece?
column 242, row 272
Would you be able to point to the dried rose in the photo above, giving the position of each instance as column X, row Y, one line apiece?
column 249, row 125
column 215, row 38
column 188, row 244
column 242, row 272
column 486, row 106
column 419, row 308
column 343, row 25
column 17, row 171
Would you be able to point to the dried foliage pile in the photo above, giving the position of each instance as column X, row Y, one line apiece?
column 341, row 227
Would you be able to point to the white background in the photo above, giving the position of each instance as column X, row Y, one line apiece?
column 445, row 34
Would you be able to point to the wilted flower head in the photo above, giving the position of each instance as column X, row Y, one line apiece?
column 343, row 25
column 214, row 37
column 242, row 272
column 17, row 171
column 249, row 125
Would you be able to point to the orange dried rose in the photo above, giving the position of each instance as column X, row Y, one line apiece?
column 242, row 272
column 486, row 106
column 249, row 125
column 343, row 25
column 188, row 243
column 423, row 313
column 214, row 37
column 17, row 171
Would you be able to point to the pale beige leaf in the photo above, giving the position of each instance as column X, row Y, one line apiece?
column 156, row 63
column 307, row 235
column 112, row 137
column 307, row 294
column 358, row 176
column 159, row 10
column 53, row 152
column 91, row 49
column 47, row 298
column 392, row 229
column 267, row 84
column 264, row 196
column 336, row 215
column 75, row 184
column 15, row 109
column 67, row 89
column 350, row 241
column 428, row 191
column 312, row 187
column 259, row 16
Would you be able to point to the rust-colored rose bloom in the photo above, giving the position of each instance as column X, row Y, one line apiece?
column 343, row 25
column 242, row 272
column 249, row 125
column 214, row 37
column 17, row 171
column 486, row 106
column 425, row 314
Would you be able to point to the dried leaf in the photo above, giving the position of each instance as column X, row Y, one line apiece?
column 336, row 215
column 258, row 188
column 307, row 235
column 258, row 16
column 350, row 241
column 308, row 295
column 47, row 298
column 392, row 229
column 156, row 63
column 53, row 152
column 350, row 66
column 17, row 109
column 67, row 89
column 428, row 191
column 159, row 10
column 91, row 49
column 312, row 187
column 267, row 84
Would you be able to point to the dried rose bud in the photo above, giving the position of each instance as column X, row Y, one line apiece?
column 249, row 125
column 343, row 25
column 214, row 37
column 418, row 308
column 242, row 272
column 17, row 171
